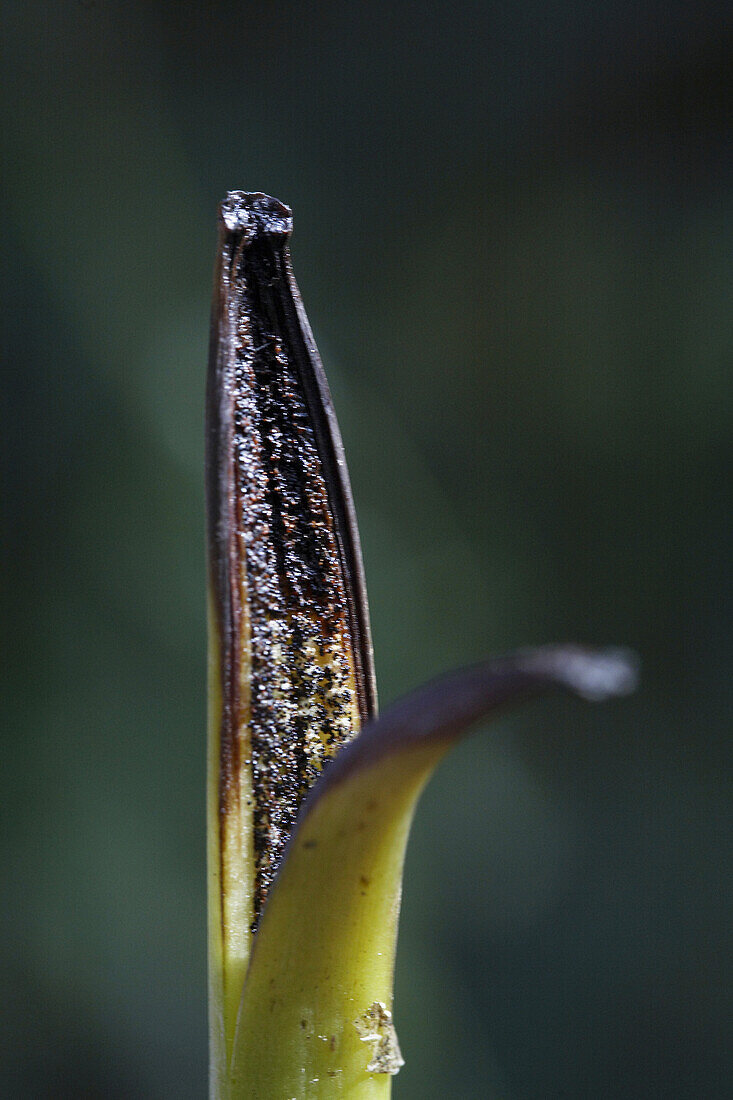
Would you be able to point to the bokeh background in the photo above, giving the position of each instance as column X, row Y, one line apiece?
column 513, row 237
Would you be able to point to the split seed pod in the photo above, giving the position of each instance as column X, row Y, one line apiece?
column 292, row 674
column 308, row 816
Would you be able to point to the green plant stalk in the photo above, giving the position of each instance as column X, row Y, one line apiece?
column 297, row 1033
column 221, row 973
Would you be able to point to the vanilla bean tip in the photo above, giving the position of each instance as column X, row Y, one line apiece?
column 253, row 214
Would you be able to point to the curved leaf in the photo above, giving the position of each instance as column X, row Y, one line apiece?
column 314, row 1017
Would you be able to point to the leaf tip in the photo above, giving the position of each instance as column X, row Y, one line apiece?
column 594, row 675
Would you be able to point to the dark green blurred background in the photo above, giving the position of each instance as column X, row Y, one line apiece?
column 513, row 238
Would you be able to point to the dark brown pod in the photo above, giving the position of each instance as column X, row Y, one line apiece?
column 290, row 610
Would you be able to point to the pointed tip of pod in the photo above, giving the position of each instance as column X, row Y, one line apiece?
column 254, row 214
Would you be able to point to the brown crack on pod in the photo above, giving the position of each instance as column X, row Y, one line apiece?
column 375, row 1026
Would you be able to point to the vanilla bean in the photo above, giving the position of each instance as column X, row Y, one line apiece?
column 296, row 663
